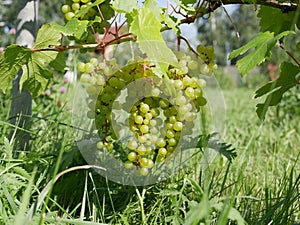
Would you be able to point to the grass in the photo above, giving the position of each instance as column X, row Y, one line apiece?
column 260, row 186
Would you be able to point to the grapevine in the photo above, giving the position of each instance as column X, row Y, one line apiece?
column 161, row 110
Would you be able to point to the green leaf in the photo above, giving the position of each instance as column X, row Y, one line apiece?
column 46, row 36
column 122, row 6
column 233, row 214
column 275, row 89
column 209, row 141
column 11, row 61
column 36, row 74
column 262, row 44
column 35, row 77
column 73, row 27
column 274, row 20
column 172, row 22
column 147, row 29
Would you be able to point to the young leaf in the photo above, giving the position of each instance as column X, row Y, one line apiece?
column 262, row 44
column 147, row 29
column 11, row 61
column 73, row 27
column 122, row 6
column 275, row 89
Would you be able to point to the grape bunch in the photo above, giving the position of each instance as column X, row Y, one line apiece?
column 86, row 10
column 72, row 7
column 160, row 110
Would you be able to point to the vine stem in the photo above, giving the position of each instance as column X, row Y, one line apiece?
column 141, row 200
column 188, row 44
column 289, row 54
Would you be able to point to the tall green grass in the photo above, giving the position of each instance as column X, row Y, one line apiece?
column 260, row 186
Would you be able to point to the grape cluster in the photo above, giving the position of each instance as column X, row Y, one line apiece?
column 72, row 7
column 96, row 15
column 159, row 109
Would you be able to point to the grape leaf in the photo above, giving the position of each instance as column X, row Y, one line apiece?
column 275, row 89
column 36, row 75
column 152, row 5
column 122, row 6
column 147, row 27
column 11, row 61
column 172, row 22
column 274, row 20
column 262, row 44
column 46, row 36
column 73, row 27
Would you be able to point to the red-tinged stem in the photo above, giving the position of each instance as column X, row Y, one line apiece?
column 289, row 54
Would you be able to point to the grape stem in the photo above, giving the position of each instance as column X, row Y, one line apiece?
column 289, row 54
column 188, row 44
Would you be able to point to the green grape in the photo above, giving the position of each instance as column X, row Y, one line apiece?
column 162, row 151
column 141, row 149
column 189, row 91
column 172, row 142
column 178, row 126
column 144, row 108
column 100, row 80
column 161, row 142
column 170, row 134
column 142, row 139
column 186, row 81
column 172, row 119
column 132, row 145
column 94, row 61
column 180, row 100
column 150, row 164
column 65, row 9
column 100, row 145
column 144, row 162
column 204, row 69
column 89, row 67
column 144, row 129
column 75, row 6
column 148, row 116
column 202, row 101
column 138, row 119
column 132, row 156
column 69, row 15
column 81, row 67
column 178, row 84
column 85, row 1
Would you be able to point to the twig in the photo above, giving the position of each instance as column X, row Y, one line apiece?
column 289, row 54
column 188, row 44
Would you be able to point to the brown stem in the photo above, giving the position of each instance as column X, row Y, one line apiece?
column 289, row 54
column 188, row 44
